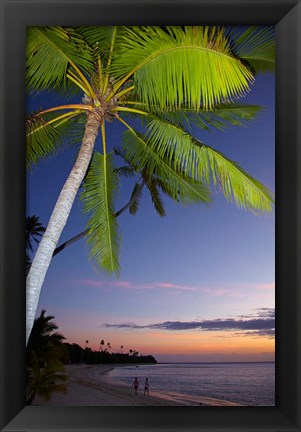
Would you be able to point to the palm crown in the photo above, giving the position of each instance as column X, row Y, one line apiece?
column 158, row 83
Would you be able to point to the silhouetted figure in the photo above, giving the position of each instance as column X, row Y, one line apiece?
column 146, row 387
column 135, row 385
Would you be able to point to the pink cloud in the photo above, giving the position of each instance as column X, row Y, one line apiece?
column 121, row 284
column 236, row 291
column 166, row 285
column 91, row 282
column 103, row 284
column 266, row 286
column 127, row 285
column 220, row 292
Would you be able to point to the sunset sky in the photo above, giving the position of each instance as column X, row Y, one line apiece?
column 196, row 285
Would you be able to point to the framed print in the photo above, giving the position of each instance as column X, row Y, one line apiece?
column 159, row 323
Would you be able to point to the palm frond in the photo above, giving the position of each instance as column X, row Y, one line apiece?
column 46, row 135
column 119, row 151
column 42, row 140
column 256, row 45
column 156, row 198
column 100, row 38
column 125, row 171
column 185, row 153
column 237, row 185
column 177, row 66
column 49, row 53
column 34, row 230
column 45, row 381
column 181, row 186
column 98, row 196
column 172, row 143
column 220, row 118
column 135, row 197
column 74, row 129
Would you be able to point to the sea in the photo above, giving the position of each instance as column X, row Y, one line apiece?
column 251, row 384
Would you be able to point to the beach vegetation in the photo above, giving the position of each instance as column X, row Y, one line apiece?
column 159, row 85
column 44, row 381
column 45, row 356
column 75, row 354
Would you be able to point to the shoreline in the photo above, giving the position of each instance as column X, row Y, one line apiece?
column 87, row 386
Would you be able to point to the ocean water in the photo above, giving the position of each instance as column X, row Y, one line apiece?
column 250, row 384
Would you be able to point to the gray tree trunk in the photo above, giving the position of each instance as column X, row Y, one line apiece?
column 59, row 219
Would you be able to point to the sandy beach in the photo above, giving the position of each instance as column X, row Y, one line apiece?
column 87, row 386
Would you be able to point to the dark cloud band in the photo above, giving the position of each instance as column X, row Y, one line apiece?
column 264, row 325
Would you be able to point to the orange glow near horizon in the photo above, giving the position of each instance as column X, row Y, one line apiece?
column 182, row 343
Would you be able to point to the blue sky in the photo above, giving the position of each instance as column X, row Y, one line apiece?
column 198, row 263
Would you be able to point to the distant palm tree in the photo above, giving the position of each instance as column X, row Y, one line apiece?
column 108, row 346
column 102, row 342
column 121, row 349
column 34, row 230
column 86, row 344
column 152, row 182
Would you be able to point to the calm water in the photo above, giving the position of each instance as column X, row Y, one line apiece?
column 246, row 383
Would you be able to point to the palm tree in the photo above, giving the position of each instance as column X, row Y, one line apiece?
column 44, row 381
column 45, row 371
column 157, row 83
column 44, row 341
column 86, row 344
column 34, row 230
column 121, row 349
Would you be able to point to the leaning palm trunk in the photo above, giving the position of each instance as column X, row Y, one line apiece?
column 59, row 219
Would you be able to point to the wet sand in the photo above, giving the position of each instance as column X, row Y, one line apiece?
column 88, row 386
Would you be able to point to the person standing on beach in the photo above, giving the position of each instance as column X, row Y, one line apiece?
column 146, row 387
column 135, row 385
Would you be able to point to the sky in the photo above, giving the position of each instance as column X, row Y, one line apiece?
column 195, row 285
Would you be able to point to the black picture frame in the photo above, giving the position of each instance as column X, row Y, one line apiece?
column 15, row 16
